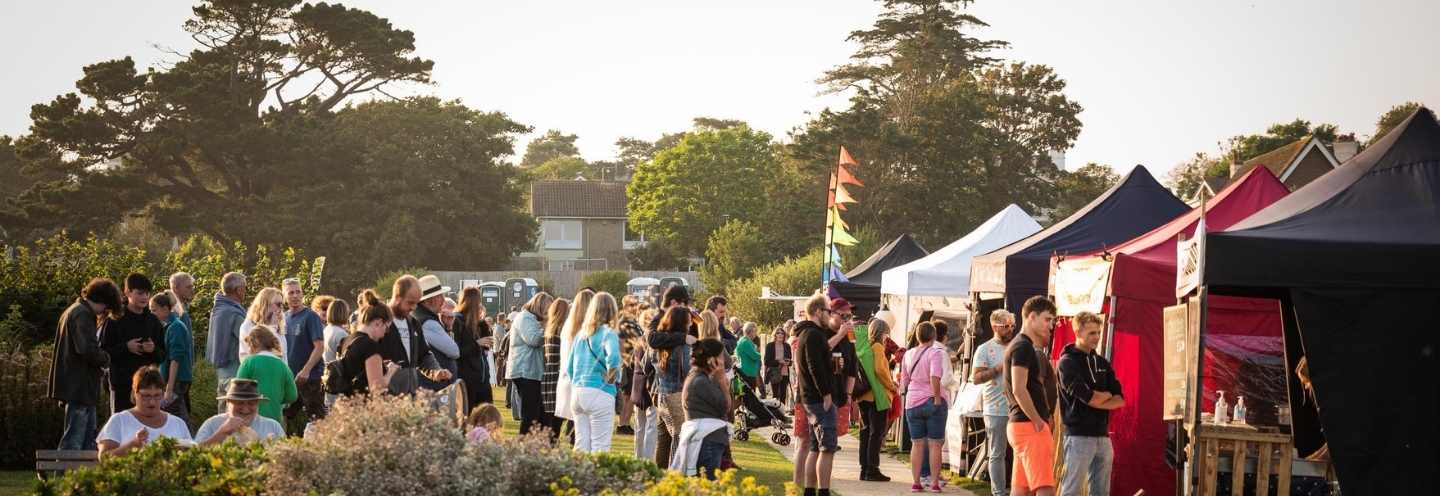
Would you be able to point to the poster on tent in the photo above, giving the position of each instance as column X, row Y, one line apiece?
column 1177, row 371
column 1080, row 285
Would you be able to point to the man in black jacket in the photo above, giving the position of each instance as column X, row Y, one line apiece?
column 134, row 340
column 816, row 376
column 79, row 363
column 405, row 343
column 1088, row 391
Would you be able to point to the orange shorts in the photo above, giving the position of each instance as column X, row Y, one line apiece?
column 1034, row 456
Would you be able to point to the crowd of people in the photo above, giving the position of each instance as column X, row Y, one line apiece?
column 671, row 371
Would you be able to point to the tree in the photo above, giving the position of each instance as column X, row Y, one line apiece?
column 214, row 131
column 1392, row 118
column 1078, row 188
column 552, row 145
column 656, row 254
column 429, row 188
column 691, row 189
column 734, row 251
column 565, row 168
column 1186, row 178
column 609, row 281
column 915, row 44
column 793, row 276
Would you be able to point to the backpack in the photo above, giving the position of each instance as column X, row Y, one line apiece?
column 334, row 379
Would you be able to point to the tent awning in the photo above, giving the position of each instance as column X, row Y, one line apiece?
column 947, row 271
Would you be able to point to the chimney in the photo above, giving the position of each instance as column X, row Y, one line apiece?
column 1235, row 164
column 1345, row 149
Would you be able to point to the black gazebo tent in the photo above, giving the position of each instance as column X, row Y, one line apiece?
column 1354, row 258
column 1022, row 269
column 863, row 286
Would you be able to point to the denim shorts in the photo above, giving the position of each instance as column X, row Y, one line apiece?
column 822, row 428
column 927, row 421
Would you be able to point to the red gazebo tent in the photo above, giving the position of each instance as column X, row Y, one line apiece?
column 1132, row 284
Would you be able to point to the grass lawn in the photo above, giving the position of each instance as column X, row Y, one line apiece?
column 755, row 457
column 16, row 481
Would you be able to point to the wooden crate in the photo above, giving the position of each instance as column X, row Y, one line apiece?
column 1272, row 451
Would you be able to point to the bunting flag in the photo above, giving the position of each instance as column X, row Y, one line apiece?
column 843, row 196
column 833, row 219
column 840, row 237
column 846, row 159
column 847, row 178
column 835, row 227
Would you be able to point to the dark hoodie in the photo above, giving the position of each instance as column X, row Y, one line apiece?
column 1081, row 375
column 817, row 374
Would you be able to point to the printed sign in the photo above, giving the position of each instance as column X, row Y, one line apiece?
column 1177, row 373
column 1190, row 262
column 1081, row 284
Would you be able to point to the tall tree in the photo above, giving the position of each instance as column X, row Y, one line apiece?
column 205, row 143
column 549, row 146
column 691, row 189
column 915, row 44
column 1078, row 187
column 562, row 168
column 1392, row 118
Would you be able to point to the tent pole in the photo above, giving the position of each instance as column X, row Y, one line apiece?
column 1110, row 328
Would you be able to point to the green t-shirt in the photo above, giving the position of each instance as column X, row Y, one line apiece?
column 749, row 357
column 275, row 381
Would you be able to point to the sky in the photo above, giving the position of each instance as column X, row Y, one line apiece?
column 1159, row 81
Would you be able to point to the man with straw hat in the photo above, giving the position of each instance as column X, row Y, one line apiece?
column 241, row 420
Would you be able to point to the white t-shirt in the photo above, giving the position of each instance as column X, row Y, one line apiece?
column 264, row 428
column 245, row 328
column 334, row 337
column 121, row 428
column 403, row 328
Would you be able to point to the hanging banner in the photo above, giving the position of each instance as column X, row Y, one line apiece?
column 1190, row 261
column 1080, row 285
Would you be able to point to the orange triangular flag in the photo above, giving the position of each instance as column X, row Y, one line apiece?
column 846, row 159
column 847, row 178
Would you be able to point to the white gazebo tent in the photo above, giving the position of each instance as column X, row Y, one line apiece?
column 941, row 280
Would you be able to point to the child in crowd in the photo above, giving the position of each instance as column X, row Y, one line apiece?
column 484, row 424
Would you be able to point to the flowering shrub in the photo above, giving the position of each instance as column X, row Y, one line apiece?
column 163, row 467
column 725, row 484
column 378, row 445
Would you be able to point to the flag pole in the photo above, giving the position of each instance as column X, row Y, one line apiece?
column 829, row 228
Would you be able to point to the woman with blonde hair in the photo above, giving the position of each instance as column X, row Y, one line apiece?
column 268, row 309
column 527, row 360
column 594, row 369
column 563, row 388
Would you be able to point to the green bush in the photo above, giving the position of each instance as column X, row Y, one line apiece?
column 163, row 467
column 609, row 281
column 795, row 276
column 45, row 277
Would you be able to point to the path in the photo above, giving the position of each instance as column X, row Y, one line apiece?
column 846, row 478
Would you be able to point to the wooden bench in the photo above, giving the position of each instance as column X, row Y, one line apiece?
column 48, row 462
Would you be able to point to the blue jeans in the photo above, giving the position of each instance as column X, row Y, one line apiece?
column 1087, row 457
column 925, row 423
column 996, row 444
column 81, row 428
column 822, row 428
column 708, row 462
column 222, row 380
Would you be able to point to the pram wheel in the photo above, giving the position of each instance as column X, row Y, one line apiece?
column 780, row 438
column 742, row 435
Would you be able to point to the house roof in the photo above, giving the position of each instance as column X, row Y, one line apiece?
column 578, row 199
column 1281, row 161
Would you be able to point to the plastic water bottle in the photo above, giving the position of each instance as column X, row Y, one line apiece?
column 1222, row 409
column 1240, row 410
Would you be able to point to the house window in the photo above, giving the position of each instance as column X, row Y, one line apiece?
column 562, row 234
column 633, row 239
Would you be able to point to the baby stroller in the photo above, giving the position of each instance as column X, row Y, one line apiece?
column 755, row 413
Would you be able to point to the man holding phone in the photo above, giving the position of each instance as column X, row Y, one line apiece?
column 134, row 340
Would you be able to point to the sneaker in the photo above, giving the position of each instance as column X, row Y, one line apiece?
column 935, row 489
column 879, row 477
column 625, row 430
column 916, row 488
